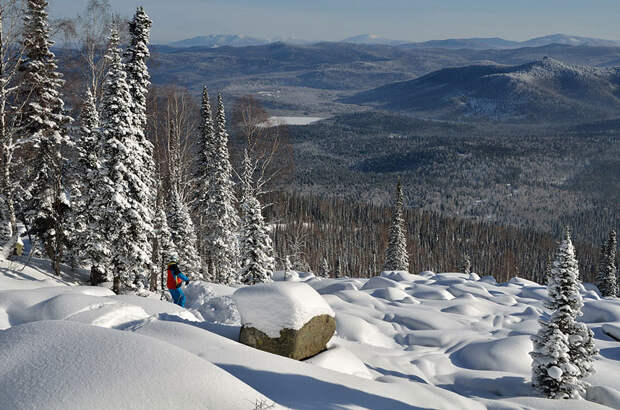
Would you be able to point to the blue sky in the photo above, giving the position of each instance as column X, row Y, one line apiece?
column 414, row 20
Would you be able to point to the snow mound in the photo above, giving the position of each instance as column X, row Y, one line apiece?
column 356, row 329
column 341, row 360
column 599, row 311
column 604, row 395
column 213, row 302
column 379, row 282
column 612, row 330
column 67, row 365
column 394, row 295
column 507, row 354
column 400, row 276
column 271, row 307
column 430, row 292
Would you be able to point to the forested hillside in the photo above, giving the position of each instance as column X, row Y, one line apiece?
column 537, row 177
column 352, row 237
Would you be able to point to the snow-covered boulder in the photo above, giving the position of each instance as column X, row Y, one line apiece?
column 286, row 318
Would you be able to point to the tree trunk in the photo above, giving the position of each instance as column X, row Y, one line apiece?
column 116, row 284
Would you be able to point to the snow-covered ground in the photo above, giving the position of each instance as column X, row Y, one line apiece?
column 449, row 341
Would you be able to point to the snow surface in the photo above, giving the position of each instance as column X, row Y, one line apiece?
column 271, row 307
column 462, row 344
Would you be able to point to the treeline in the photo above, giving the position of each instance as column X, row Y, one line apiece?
column 352, row 237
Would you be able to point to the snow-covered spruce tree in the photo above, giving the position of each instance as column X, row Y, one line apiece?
column 137, row 53
column 203, row 170
column 44, row 122
column 565, row 302
column 257, row 261
column 465, row 265
column 86, row 147
column 124, row 185
column 396, row 257
column 220, row 217
column 553, row 374
column 87, row 171
column 143, row 163
column 288, row 268
column 324, row 271
column 606, row 275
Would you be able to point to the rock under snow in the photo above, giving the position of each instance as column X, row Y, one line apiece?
column 286, row 318
column 271, row 307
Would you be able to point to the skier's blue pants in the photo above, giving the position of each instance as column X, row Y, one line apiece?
column 178, row 296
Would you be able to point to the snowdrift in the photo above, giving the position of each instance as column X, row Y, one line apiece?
column 440, row 341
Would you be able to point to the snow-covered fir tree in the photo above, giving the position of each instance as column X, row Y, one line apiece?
column 465, row 265
column 220, row 217
column 606, row 276
column 44, row 122
column 87, row 168
column 288, row 268
column 137, row 53
column 203, row 169
column 324, row 270
column 565, row 302
column 204, row 165
column 181, row 225
column 257, row 261
column 143, row 163
column 553, row 374
column 123, row 185
column 396, row 256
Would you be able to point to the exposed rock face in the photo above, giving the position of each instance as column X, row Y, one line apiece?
column 300, row 344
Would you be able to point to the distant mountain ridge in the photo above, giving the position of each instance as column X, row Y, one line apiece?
column 537, row 91
column 482, row 43
column 220, row 40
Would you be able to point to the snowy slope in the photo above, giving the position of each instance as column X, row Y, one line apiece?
column 403, row 341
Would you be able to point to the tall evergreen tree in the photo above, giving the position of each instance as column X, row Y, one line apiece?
column 565, row 301
column 396, row 256
column 203, row 170
column 220, row 218
column 257, row 261
column 606, row 276
column 137, row 53
column 44, row 123
column 123, row 185
column 143, row 163
column 87, row 169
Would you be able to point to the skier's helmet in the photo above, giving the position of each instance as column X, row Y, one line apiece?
column 173, row 259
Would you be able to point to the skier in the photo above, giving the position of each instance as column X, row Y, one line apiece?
column 175, row 280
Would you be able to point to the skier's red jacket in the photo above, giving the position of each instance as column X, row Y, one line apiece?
column 175, row 277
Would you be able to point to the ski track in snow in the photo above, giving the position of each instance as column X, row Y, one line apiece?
column 445, row 340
